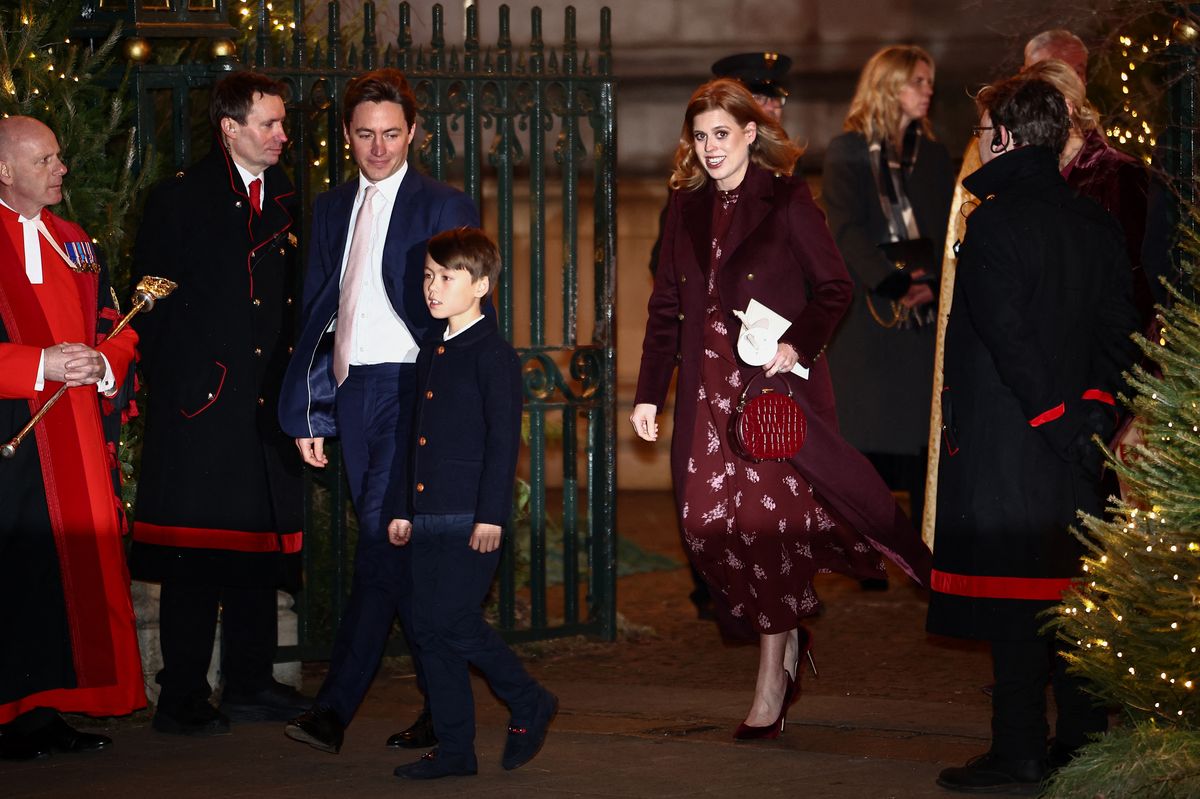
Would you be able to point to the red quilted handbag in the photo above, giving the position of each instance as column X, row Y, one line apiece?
column 767, row 425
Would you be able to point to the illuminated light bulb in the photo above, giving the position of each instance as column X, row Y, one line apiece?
column 1163, row 675
column 1131, row 671
column 1187, row 684
column 1120, row 654
column 1174, row 625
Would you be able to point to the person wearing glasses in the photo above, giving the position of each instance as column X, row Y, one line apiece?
column 1036, row 345
column 887, row 189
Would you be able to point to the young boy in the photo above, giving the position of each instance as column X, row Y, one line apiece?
column 452, row 498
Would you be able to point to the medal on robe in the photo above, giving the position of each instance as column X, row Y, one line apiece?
column 81, row 256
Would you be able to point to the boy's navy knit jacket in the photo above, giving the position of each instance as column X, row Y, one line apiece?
column 466, row 429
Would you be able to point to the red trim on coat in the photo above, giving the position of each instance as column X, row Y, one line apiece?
column 980, row 586
column 1099, row 396
column 217, row 393
column 1048, row 416
column 210, row 538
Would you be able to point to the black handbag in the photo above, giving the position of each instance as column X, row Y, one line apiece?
column 766, row 424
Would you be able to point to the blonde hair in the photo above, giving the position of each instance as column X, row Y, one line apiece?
column 771, row 149
column 875, row 110
column 1061, row 76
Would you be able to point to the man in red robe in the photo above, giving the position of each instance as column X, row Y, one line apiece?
column 67, row 636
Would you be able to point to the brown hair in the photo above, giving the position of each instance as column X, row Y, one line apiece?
column 234, row 95
column 875, row 110
column 771, row 149
column 1032, row 110
column 385, row 85
column 467, row 248
column 1061, row 76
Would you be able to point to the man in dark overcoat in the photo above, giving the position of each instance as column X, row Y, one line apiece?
column 218, row 517
column 1037, row 341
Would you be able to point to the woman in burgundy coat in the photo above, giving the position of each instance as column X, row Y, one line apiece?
column 740, row 226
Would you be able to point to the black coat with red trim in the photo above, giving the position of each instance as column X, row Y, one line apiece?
column 219, row 490
column 1035, row 349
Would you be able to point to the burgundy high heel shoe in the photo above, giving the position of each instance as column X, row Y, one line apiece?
column 746, row 732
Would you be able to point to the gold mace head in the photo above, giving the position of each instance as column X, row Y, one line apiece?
column 151, row 288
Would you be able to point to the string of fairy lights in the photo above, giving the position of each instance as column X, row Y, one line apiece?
column 1138, row 128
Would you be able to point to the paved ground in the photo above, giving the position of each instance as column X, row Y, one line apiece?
column 649, row 716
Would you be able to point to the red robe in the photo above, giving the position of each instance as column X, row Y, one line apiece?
column 72, row 643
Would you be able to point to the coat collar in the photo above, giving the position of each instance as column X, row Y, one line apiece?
column 475, row 333
column 1031, row 169
column 755, row 201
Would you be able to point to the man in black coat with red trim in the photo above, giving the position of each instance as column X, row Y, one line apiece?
column 218, row 518
column 1035, row 349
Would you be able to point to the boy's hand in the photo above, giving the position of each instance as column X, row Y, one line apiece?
column 485, row 537
column 399, row 531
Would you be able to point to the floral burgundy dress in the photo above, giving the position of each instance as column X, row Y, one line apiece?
column 756, row 532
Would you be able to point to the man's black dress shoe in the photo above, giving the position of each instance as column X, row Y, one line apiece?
column 276, row 702
column 525, row 742
column 990, row 774
column 23, row 746
column 196, row 717
column 62, row 737
column 434, row 765
column 319, row 727
column 419, row 736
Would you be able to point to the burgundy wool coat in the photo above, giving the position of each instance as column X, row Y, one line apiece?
column 778, row 251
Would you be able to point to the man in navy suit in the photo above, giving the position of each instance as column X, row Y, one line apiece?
column 352, row 372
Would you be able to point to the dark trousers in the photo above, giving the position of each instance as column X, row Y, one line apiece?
column 450, row 582
column 1019, row 727
column 904, row 472
column 187, row 624
column 374, row 411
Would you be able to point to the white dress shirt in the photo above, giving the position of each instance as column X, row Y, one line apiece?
column 247, row 179
column 380, row 335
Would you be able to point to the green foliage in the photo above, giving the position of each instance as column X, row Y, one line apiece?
column 1135, row 620
column 47, row 75
column 1141, row 762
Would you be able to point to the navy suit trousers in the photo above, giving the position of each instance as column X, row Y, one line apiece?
column 374, row 410
column 450, row 581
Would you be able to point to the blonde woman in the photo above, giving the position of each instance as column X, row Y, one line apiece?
column 887, row 190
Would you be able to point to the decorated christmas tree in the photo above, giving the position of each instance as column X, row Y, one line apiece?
column 46, row 74
column 1133, row 624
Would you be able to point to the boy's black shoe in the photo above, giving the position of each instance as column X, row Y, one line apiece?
column 987, row 773
column 319, row 727
column 525, row 742
column 419, row 736
column 196, row 717
column 433, row 765
column 276, row 702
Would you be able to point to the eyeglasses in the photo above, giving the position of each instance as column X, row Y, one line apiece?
column 978, row 130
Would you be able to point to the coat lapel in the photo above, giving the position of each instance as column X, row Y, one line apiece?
column 754, row 203
column 697, row 217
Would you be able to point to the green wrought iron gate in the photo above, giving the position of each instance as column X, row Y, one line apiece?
column 529, row 132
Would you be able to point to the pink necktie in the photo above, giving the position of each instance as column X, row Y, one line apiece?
column 256, row 195
column 357, row 264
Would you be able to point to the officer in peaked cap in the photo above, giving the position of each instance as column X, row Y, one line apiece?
column 762, row 74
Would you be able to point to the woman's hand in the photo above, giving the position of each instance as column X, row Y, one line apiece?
column 644, row 423
column 785, row 358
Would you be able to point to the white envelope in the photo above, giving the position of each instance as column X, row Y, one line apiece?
column 758, row 340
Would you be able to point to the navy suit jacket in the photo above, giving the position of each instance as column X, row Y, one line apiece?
column 423, row 208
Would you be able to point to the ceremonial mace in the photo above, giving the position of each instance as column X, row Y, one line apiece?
column 149, row 290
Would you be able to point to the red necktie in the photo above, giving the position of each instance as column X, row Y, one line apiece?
column 256, row 195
